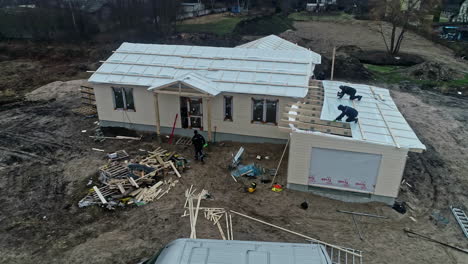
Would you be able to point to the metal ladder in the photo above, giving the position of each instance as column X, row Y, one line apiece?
column 462, row 219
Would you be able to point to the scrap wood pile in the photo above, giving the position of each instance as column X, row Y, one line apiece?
column 211, row 214
column 138, row 182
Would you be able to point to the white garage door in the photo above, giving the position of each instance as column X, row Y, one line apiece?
column 344, row 169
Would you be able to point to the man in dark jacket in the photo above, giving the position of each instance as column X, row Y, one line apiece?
column 198, row 142
column 349, row 112
column 349, row 91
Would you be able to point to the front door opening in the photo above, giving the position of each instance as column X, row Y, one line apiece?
column 191, row 112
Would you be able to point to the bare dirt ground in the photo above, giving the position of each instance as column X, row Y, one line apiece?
column 322, row 36
column 46, row 161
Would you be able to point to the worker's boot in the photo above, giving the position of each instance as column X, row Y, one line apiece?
column 355, row 120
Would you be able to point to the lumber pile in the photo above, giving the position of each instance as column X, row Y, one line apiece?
column 211, row 214
column 145, row 179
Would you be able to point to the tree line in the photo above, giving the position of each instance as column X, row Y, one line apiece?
column 83, row 19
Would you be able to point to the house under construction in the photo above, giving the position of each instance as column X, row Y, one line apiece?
column 262, row 91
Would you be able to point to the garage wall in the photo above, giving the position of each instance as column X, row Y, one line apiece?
column 391, row 167
column 345, row 169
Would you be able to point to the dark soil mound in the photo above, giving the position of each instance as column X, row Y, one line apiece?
column 346, row 67
column 377, row 57
column 433, row 71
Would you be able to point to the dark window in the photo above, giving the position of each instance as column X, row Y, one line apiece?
column 228, row 108
column 264, row 110
column 118, row 98
column 257, row 110
column 123, row 98
column 270, row 116
column 129, row 98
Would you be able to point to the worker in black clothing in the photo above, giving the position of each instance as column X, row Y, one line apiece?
column 198, row 142
column 349, row 91
column 349, row 112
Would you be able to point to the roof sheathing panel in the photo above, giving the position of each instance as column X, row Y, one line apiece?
column 379, row 118
column 280, row 73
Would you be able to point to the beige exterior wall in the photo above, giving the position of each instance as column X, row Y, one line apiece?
column 169, row 106
column 391, row 167
column 144, row 105
column 242, row 116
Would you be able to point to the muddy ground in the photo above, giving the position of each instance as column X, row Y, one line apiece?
column 46, row 162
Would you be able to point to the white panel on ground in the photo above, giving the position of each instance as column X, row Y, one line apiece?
column 344, row 169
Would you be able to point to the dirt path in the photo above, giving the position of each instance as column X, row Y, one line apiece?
column 46, row 161
column 322, row 36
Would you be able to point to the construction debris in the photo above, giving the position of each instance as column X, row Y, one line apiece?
column 143, row 180
column 251, row 170
column 211, row 214
column 184, row 141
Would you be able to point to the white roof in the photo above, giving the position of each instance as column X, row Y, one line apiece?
column 273, row 42
column 198, row 251
column 237, row 70
column 379, row 119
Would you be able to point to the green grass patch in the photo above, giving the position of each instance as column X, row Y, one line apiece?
column 224, row 26
column 382, row 68
column 334, row 17
column 264, row 25
column 392, row 74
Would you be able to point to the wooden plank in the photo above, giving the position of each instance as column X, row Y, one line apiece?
column 175, row 169
column 316, row 127
column 227, row 226
column 306, row 112
column 196, row 214
column 316, row 120
column 209, row 69
column 298, row 234
column 135, row 192
column 202, row 57
column 308, row 101
column 99, row 194
column 182, row 94
column 160, row 160
column 221, row 231
column 133, row 182
column 121, row 188
column 230, row 224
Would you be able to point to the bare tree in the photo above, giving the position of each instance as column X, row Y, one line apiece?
column 165, row 15
column 401, row 14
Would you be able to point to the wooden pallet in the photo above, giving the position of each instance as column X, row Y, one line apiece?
column 184, row 141
column 115, row 170
column 121, row 154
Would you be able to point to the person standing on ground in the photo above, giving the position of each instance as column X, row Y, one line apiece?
column 349, row 91
column 348, row 111
column 198, row 142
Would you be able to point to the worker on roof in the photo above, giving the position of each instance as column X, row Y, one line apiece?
column 349, row 112
column 349, row 91
column 198, row 142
